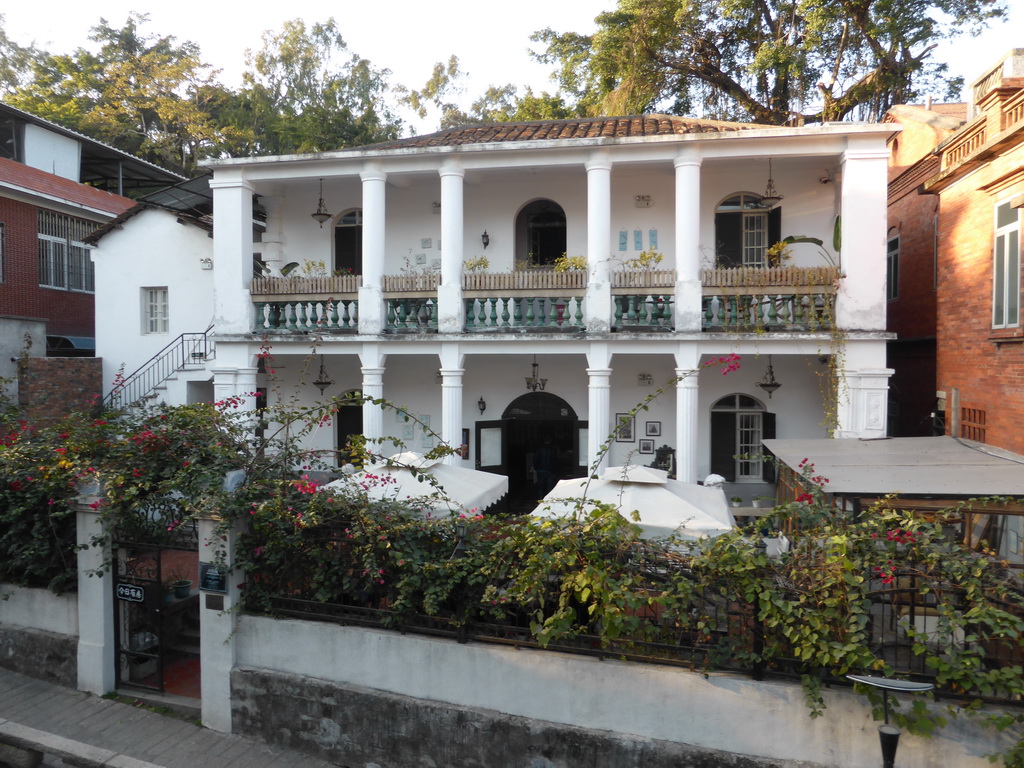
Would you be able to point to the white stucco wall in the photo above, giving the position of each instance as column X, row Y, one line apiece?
column 51, row 152
column 723, row 711
column 38, row 609
column 151, row 250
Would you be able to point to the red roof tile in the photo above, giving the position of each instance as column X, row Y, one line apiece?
column 43, row 183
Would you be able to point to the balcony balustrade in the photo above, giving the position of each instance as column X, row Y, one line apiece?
column 769, row 299
column 306, row 303
column 544, row 301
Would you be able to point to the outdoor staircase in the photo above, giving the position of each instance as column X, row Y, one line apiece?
column 190, row 351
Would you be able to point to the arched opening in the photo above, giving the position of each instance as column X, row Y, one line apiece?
column 744, row 230
column 738, row 425
column 540, row 233
column 536, row 442
column 348, row 242
column 348, row 421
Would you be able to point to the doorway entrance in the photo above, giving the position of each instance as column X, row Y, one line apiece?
column 538, row 433
column 156, row 614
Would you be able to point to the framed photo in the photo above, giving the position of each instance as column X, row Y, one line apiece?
column 646, row 446
column 624, row 429
column 653, row 429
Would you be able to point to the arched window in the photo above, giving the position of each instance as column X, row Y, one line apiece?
column 738, row 425
column 540, row 233
column 744, row 230
column 348, row 242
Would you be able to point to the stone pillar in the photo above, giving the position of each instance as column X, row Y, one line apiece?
column 217, row 625
column 371, row 299
column 599, row 242
column 687, row 310
column 687, row 387
column 372, row 362
column 861, row 303
column 233, row 310
column 449, row 293
column 863, row 408
column 451, row 411
column 96, row 640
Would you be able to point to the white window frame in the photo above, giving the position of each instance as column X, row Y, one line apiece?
column 892, row 268
column 1006, row 267
column 156, row 315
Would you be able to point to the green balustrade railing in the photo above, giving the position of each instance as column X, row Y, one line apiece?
column 411, row 314
column 533, row 313
column 643, row 311
column 810, row 311
column 307, row 315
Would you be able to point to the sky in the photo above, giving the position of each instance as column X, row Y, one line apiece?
column 406, row 36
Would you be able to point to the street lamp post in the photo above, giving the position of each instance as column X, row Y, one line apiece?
column 889, row 735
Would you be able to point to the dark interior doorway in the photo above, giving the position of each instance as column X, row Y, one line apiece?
column 348, row 421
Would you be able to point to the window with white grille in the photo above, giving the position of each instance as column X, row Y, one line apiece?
column 1006, row 268
column 63, row 256
column 155, row 310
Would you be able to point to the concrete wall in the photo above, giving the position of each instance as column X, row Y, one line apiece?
column 52, row 152
column 39, row 633
column 442, row 698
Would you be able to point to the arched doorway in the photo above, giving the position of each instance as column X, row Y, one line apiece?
column 738, row 424
column 348, row 242
column 508, row 446
column 540, row 233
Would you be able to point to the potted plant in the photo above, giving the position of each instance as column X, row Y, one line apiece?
column 179, row 585
column 762, row 501
column 735, row 501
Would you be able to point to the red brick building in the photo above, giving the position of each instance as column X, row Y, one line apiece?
column 56, row 187
column 955, row 212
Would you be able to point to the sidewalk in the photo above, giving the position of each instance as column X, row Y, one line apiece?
column 93, row 731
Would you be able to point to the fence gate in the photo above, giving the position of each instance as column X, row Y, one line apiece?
column 156, row 611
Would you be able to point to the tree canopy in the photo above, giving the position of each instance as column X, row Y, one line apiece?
column 770, row 61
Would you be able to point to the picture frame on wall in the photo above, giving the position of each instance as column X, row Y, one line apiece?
column 624, row 432
column 653, row 429
column 646, row 446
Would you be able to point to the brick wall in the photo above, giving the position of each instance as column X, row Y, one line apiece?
column 985, row 365
column 52, row 387
column 67, row 312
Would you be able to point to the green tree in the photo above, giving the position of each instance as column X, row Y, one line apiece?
column 771, row 61
column 15, row 62
column 305, row 91
column 144, row 94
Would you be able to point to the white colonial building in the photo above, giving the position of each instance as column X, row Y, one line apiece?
column 390, row 296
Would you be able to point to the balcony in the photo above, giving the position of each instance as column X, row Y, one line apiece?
column 306, row 303
column 770, row 299
column 775, row 299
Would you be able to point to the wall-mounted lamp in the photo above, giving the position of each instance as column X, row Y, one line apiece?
column 644, row 379
column 323, row 381
column 485, row 239
column 481, row 404
column 437, row 208
column 768, row 383
column 321, row 214
column 206, row 263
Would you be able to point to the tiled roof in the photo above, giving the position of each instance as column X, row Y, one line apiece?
column 580, row 128
column 32, row 179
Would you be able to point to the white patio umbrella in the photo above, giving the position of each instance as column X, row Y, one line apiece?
column 404, row 477
column 665, row 506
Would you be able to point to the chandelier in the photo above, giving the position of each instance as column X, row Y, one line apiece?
column 534, row 382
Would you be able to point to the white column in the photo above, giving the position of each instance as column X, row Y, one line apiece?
column 233, row 310
column 217, row 626
column 860, row 305
column 598, row 412
column 96, row 640
column 599, row 242
column 373, row 386
column 371, row 301
column 451, row 411
column 687, row 312
column 224, row 385
column 687, row 388
column 449, row 292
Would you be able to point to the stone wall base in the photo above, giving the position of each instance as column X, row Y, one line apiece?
column 354, row 726
column 43, row 655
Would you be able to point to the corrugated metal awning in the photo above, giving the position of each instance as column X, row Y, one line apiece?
column 928, row 466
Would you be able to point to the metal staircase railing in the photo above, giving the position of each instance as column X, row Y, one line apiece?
column 187, row 349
